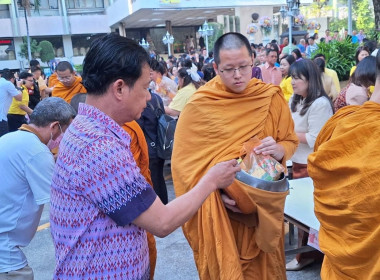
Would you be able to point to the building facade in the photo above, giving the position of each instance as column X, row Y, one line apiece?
column 71, row 25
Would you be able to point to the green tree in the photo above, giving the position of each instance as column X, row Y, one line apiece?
column 25, row 47
column 218, row 31
column 364, row 13
column 47, row 51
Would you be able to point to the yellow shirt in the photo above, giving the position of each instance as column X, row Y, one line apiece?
column 334, row 76
column 352, row 70
column 182, row 97
column 286, row 87
column 41, row 83
column 15, row 106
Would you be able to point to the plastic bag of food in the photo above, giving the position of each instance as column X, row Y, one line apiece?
column 260, row 166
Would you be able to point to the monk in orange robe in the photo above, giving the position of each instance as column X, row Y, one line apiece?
column 219, row 118
column 68, row 83
column 53, row 80
column 345, row 171
column 139, row 149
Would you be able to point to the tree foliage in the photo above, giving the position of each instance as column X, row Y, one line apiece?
column 340, row 56
column 47, row 51
column 35, row 48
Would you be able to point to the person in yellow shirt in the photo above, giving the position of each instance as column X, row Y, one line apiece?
column 330, row 72
column 188, row 83
column 18, row 109
column 285, row 84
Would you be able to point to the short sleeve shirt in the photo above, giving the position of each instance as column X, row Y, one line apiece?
column 26, row 172
column 97, row 191
column 7, row 92
column 182, row 97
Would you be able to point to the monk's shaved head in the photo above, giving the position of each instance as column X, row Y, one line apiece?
column 230, row 41
column 65, row 65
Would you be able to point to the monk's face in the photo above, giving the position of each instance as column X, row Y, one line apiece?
column 66, row 77
column 235, row 68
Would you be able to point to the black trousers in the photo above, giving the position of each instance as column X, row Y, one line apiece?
column 15, row 121
column 156, row 166
column 3, row 127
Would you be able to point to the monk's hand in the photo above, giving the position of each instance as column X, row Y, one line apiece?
column 229, row 203
column 269, row 146
column 223, row 173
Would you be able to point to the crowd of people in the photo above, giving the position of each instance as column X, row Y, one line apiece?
column 92, row 152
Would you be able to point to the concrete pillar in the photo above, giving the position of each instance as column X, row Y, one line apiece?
column 122, row 29
column 67, row 46
column 65, row 18
column 169, row 28
column 17, row 41
column 15, row 23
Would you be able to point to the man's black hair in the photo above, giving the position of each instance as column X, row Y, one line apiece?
column 110, row 58
column 7, row 74
column 24, row 75
column 34, row 63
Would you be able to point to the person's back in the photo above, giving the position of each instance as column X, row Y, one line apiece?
column 27, row 169
column 348, row 209
column 218, row 119
column 8, row 91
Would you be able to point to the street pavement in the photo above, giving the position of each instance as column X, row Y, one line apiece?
column 174, row 256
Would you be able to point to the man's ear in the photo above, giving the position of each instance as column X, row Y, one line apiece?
column 215, row 67
column 118, row 89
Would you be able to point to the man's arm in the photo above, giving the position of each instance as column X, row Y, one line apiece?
column 16, row 92
column 162, row 219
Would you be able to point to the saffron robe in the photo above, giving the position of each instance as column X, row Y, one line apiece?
column 60, row 90
column 212, row 128
column 53, row 80
column 139, row 149
column 347, row 194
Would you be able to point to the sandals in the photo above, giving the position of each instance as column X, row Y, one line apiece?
column 294, row 265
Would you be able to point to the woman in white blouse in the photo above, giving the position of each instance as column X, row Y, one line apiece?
column 311, row 108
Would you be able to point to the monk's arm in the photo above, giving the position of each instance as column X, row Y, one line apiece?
column 162, row 219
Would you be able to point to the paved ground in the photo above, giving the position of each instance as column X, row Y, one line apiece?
column 174, row 261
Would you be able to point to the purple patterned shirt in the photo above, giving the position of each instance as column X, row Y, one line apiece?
column 97, row 191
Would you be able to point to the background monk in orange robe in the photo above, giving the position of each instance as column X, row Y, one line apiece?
column 68, row 83
column 221, row 116
column 345, row 171
column 139, row 149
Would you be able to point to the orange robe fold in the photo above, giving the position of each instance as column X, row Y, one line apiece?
column 67, row 93
column 139, row 149
column 212, row 128
column 345, row 171
column 53, row 80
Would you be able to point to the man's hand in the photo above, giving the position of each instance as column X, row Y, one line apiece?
column 269, row 146
column 230, row 203
column 223, row 173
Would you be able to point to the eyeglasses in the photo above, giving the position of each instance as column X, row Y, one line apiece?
column 245, row 69
column 62, row 79
column 29, row 81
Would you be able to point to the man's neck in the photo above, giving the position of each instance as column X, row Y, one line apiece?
column 43, row 133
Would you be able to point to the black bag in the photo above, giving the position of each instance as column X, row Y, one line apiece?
column 165, row 132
